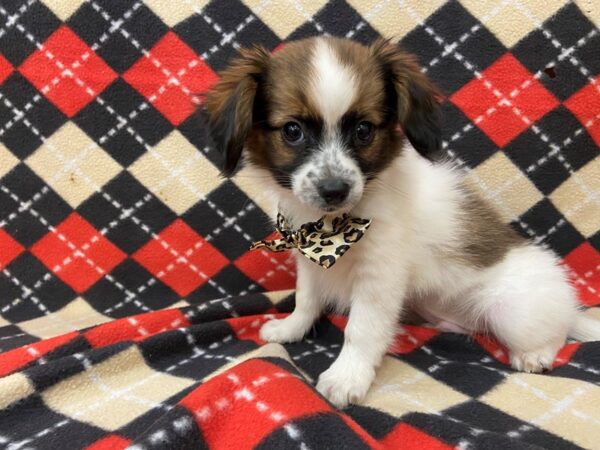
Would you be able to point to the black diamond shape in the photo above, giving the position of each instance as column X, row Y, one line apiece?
column 479, row 415
column 195, row 130
column 480, row 49
column 324, row 333
column 543, row 218
column 465, row 140
column 224, row 202
column 115, row 135
column 456, row 433
column 581, row 365
column 32, row 117
column 230, row 21
column 458, row 361
column 243, row 223
column 40, row 417
column 139, row 24
column 115, row 9
column 531, row 154
column 595, row 241
column 201, row 36
column 230, row 242
column 254, row 32
column 376, row 422
column 18, row 188
column 536, row 51
column 325, row 430
column 37, row 20
column 337, row 18
column 25, row 271
column 138, row 293
column 588, row 355
column 11, row 336
column 559, row 126
column 170, row 348
column 185, row 434
column 229, row 281
column 223, row 308
column 250, row 304
column 142, row 213
column 44, row 376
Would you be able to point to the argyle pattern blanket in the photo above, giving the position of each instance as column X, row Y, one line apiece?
column 130, row 303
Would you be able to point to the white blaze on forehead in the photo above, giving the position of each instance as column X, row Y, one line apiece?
column 333, row 86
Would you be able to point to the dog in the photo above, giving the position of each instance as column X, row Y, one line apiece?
column 329, row 126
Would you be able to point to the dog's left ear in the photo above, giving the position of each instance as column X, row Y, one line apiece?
column 416, row 97
column 229, row 104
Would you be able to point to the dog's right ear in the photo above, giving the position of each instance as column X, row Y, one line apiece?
column 230, row 102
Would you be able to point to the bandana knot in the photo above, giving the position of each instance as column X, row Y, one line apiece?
column 323, row 241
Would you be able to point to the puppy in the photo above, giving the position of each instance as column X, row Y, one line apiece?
column 328, row 126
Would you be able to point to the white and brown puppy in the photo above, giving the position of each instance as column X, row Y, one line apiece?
column 323, row 123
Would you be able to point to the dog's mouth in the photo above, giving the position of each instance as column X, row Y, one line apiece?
column 316, row 202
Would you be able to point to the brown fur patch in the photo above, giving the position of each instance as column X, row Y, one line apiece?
column 283, row 94
column 486, row 238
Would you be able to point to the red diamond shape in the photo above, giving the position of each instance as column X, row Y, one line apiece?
column 505, row 75
column 81, row 74
column 181, row 258
column 172, row 87
column 81, row 267
column 411, row 338
column 110, row 442
column 13, row 360
column 5, row 68
column 137, row 327
column 9, row 249
column 285, row 397
column 585, row 262
column 585, row 105
column 407, row 437
column 270, row 270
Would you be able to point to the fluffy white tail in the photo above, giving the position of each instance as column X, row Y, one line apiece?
column 585, row 329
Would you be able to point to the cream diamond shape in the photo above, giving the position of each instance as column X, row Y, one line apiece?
column 172, row 12
column 115, row 392
column 577, row 198
column 248, row 180
column 399, row 388
column 7, row 160
column 523, row 16
column 563, row 406
column 395, row 19
column 73, row 165
column 15, row 387
column 176, row 172
column 284, row 16
column 501, row 182
column 590, row 8
column 77, row 315
column 63, row 8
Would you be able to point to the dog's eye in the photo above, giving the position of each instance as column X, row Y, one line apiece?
column 292, row 132
column 364, row 133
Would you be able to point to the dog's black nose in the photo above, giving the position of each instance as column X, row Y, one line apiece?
column 333, row 190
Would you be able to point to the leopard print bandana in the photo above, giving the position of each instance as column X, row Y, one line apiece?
column 323, row 241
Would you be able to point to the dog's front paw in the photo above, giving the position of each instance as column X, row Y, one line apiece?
column 281, row 331
column 342, row 384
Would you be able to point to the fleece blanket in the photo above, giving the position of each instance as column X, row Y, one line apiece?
column 130, row 303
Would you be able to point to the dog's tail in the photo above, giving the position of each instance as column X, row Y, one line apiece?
column 585, row 329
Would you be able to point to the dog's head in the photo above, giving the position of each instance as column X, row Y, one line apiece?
column 323, row 115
